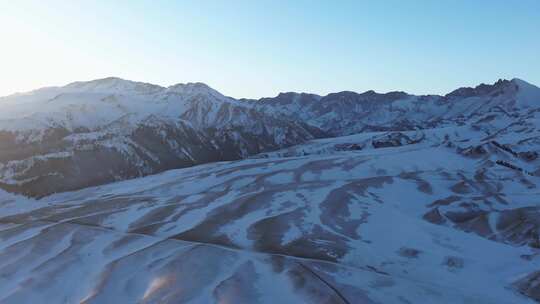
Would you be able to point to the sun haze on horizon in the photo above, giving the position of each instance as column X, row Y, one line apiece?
column 254, row 49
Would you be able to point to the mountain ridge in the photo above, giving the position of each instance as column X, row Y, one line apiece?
column 49, row 133
column 514, row 80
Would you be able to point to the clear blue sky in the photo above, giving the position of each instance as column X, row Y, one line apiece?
column 259, row 48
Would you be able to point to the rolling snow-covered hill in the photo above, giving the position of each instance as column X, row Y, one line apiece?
column 418, row 223
column 415, row 199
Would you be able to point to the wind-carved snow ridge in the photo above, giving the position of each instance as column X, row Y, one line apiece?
column 416, row 199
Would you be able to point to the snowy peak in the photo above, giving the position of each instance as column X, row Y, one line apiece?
column 349, row 112
column 364, row 97
column 113, row 85
column 502, row 86
column 341, row 113
column 523, row 84
column 97, row 103
column 197, row 86
column 289, row 98
column 192, row 89
column 527, row 94
column 482, row 90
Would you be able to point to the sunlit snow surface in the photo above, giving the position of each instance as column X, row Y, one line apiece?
column 341, row 227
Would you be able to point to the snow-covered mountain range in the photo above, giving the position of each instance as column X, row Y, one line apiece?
column 344, row 198
column 90, row 133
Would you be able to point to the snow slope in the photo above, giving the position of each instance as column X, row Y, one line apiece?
column 342, row 227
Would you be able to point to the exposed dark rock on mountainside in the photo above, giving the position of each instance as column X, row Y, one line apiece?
column 530, row 286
